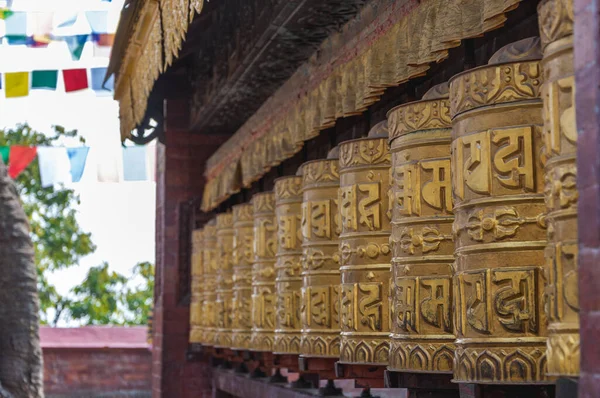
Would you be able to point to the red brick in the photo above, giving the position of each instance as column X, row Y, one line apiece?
column 79, row 372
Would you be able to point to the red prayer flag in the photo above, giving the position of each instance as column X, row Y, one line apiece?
column 75, row 79
column 19, row 159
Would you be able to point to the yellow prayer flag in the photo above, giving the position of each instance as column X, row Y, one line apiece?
column 17, row 84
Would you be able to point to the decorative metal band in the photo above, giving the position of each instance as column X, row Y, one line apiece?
column 243, row 213
column 197, row 271
column 321, row 226
column 370, row 152
column 422, row 337
column 224, row 279
column 561, row 193
column 263, row 272
column 263, row 203
column 288, row 188
column 420, row 115
column 210, row 280
column 499, row 229
column 365, row 215
column 495, row 84
column 555, row 19
column 320, row 171
column 288, row 282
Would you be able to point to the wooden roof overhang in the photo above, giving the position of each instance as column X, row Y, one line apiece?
column 252, row 74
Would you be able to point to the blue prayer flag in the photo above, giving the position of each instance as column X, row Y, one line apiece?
column 77, row 157
column 16, row 24
column 98, row 80
column 134, row 163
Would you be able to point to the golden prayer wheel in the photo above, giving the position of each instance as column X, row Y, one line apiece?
column 263, row 272
column 288, row 281
column 560, row 143
column 197, row 284
column 500, row 230
column 363, row 201
column 243, row 239
column 224, row 279
column 320, row 259
column 422, row 337
column 209, row 278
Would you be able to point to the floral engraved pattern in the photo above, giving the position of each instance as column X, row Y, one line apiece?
column 320, row 171
column 421, row 115
column 372, row 151
column 495, row 85
column 555, row 19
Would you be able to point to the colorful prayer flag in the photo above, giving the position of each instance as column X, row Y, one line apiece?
column 16, row 24
column 98, row 84
column 5, row 13
column 4, row 151
column 17, row 84
column 104, row 39
column 98, row 21
column 75, row 79
column 76, row 44
column 17, row 40
column 19, row 159
column 55, row 166
column 134, row 163
column 44, row 79
column 77, row 157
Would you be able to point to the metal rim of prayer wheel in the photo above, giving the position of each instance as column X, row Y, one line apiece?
column 210, row 281
column 288, row 280
column 499, row 228
column 243, row 257
column 197, row 286
column 560, row 143
column 320, row 259
column 224, row 279
column 363, row 204
column 263, row 272
column 422, row 338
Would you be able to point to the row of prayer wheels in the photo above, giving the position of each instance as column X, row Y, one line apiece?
column 444, row 242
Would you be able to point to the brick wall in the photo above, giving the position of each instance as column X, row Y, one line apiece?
column 587, row 75
column 96, row 362
column 96, row 372
column 180, row 168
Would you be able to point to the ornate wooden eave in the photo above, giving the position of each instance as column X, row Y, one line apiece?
column 149, row 37
column 395, row 41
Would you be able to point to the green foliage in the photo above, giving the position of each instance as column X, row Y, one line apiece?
column 104, row 297
column 58, row 240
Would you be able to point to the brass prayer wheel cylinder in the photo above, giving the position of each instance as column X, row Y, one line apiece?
column 560, row 143
column 320, row 259
column 500, row 231
column 422, row 338
column 209, row 258
column 365, row 250
column 263, row 272
column 197, row 284
column 243, row 256
column 288, row 279
column 224, row 279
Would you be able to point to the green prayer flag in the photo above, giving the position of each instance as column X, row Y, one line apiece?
column 44, row 79
column 4, row 152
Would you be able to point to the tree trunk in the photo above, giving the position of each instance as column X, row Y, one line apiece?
column 20, row 353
